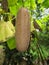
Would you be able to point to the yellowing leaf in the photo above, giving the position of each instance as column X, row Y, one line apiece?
column 6, row 30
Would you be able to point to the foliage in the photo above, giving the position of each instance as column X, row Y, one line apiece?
column 39, row 44
column 5, row 28
column 46, row 3
column 11, row 43
column 15, row 5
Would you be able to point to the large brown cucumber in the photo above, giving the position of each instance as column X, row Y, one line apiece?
column 22, row 30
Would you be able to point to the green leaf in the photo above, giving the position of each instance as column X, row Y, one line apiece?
column 46, row 3
column 12, row 2
column 13, row 10
column 40, row 1
column 45, row 52
column 11, row 43
column 13, row 6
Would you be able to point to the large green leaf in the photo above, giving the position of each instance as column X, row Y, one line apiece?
column 13, row 6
